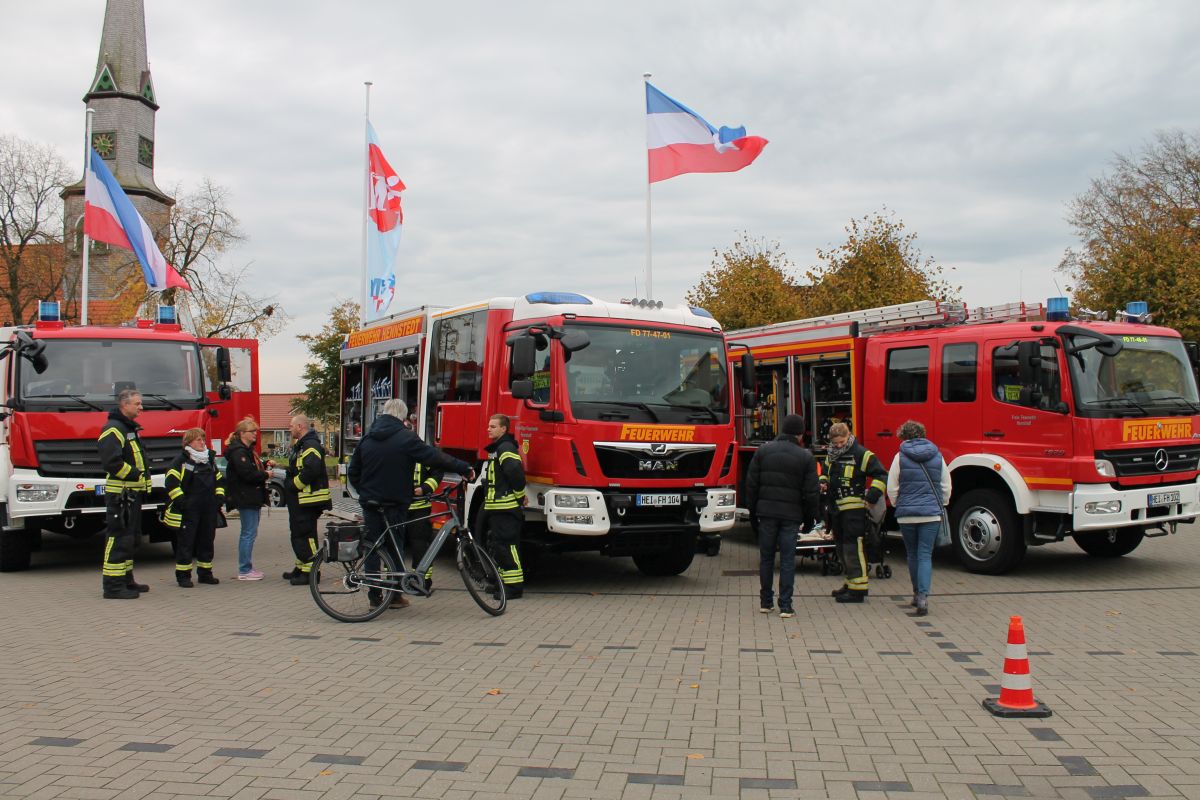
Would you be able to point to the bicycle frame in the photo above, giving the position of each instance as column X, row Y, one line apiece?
column 388, row 580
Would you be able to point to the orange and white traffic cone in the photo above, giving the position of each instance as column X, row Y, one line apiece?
column 1016, row 687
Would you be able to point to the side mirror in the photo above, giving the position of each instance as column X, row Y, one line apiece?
column 33, row 351
column 749, row 399
column 1029, row 362
column 1193, row 351
column 575, row 340
column 522, row 389
column 224, row 392
column 224, row 371
column 524, row 358
column 1110, row 348
column 749, row 381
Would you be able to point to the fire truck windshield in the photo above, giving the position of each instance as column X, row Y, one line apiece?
column 649, row 374
column 1150, row 376
column 84, row 374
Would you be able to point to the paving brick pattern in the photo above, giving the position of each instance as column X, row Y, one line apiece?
column 602, row 683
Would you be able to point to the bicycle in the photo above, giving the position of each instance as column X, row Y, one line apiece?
column 343, row 589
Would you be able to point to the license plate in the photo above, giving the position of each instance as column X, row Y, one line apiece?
column 99, row 490
column 1163, row 499
column 659, row 499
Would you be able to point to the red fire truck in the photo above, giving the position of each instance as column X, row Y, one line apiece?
column 59, row 384
column 1051, row 426
column 622, row 411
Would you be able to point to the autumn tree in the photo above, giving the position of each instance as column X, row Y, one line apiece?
column 1139, row 227
column 322, row 382
column 879, row 264
column 202, row 230
column 747, row 285
column 31, row 225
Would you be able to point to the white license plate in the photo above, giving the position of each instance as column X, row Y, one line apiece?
column 1163, row 499
column 659, row 499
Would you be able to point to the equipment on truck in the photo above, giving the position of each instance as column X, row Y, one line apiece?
column 1052, row 426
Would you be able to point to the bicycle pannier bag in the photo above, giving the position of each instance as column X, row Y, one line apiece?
column 344, row 541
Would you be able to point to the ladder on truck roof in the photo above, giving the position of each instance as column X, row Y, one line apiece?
column 918, row 314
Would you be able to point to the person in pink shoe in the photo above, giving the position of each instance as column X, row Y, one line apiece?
column 246, row 490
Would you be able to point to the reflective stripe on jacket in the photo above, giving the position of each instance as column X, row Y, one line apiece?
column 853, row 475
column 122, row 456
column 181, row 490
column 504, row 475
column 307, row 481
column 427, row 481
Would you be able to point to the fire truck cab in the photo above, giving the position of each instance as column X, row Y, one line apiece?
column 60, row 382
column 1051, row 426
column 622, row 412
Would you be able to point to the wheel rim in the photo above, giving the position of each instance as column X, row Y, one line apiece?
column 980, row 534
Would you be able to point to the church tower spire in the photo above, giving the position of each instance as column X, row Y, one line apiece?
column 122, row 94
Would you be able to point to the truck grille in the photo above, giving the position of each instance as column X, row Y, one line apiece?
column 78, row 458
column 616, row 462
column 1144, row 461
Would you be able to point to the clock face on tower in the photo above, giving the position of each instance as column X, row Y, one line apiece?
column 105, row 144
column 145, row 152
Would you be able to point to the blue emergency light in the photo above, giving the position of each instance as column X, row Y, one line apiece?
column 557, row 298
column 1058, row 309
column 1137, row 311
column 166, row 315
column 700, row 312
column 48, row 311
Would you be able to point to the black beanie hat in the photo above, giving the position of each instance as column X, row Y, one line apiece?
column 793, row 425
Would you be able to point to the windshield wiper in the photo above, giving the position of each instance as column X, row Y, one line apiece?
column 1109, row 400
column 1193, row 407
column 165, row 400
column 712, row 414
column 626, row 404
column 78, row 398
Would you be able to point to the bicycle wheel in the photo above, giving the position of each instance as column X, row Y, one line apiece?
column 482, row 578
column 336, row 587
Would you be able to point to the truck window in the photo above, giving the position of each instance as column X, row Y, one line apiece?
column 959, row 367
column 908, row 375
column 1006, row 379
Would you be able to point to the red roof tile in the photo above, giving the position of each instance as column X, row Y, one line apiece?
column 276, row 410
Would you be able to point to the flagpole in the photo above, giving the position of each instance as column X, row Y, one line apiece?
column 87, row 163
column 366, row 191
column 649, row 272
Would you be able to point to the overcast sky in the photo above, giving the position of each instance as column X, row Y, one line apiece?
column 519, row 130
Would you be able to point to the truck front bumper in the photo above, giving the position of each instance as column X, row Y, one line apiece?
column 1097, row 506
column 589, row 512
column 33, row 495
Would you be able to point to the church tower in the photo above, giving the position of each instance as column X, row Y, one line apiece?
column 122, row 95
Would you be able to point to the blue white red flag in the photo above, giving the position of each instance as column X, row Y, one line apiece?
column 681, row 141
column 384, row 222
column 109, row 217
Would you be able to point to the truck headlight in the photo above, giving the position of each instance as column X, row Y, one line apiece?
column 725, row 499
column 563, row 500
column 723, row 516
column 36, row 493
column 1103, row 506
column 1105, row 468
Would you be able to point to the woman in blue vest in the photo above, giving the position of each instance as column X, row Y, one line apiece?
column 919, row 487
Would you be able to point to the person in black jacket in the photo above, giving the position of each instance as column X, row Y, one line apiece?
column 306, row 490
column 246, row 491
column 783, row 495
column 504, row 504
column 127, row 482
column 196, row 492
column 381, row 471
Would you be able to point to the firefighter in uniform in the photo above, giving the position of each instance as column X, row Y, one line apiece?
column 503, row 504
column 852, row 479
column 306, row 490
column 127, row 481
column 196, row 489
column 419, row 530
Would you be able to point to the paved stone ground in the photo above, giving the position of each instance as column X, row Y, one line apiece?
column 601, row 683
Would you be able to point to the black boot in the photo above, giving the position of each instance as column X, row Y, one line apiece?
column 132, row 584
column 206, row 576
column 184, row 579
column 514, row 591
column 287, row 576
column 299, row 579
column 115, row 589
column 852, row 596
column 840, row 591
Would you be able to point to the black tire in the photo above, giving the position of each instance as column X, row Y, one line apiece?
column 337, row 592
column 670, row 562
column 482, row 578
column 16, row 549
column 1112, row 543
column 986, row 532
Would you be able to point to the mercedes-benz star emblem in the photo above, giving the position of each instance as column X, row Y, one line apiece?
column 1160, row 459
